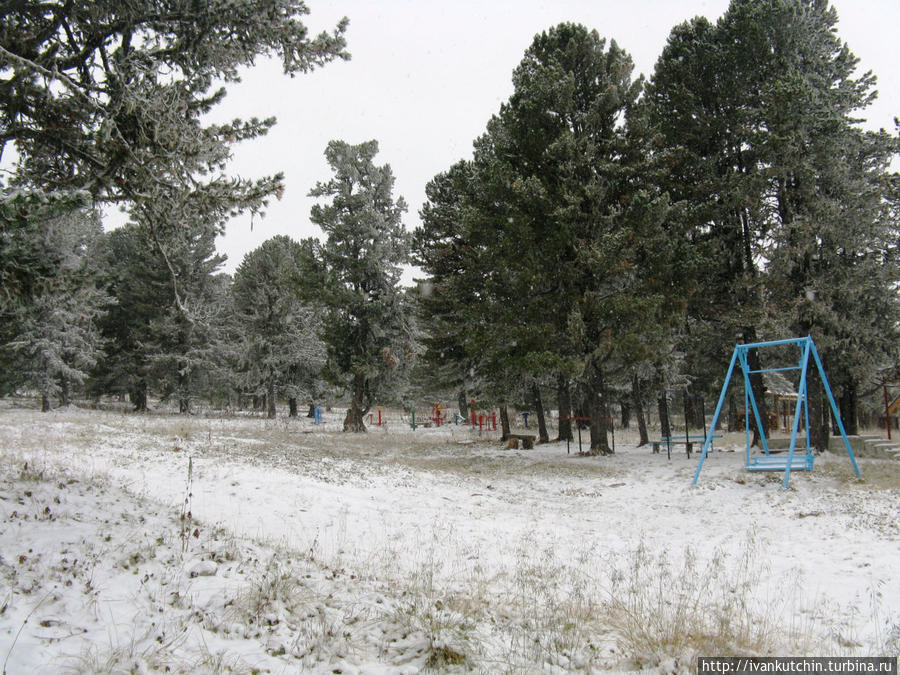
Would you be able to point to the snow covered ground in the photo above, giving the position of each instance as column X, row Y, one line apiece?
column 143, row 543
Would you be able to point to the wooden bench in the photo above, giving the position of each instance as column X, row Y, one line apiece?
column 527, row 441
column 687, row 442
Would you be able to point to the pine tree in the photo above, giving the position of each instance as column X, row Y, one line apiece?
column 833, row 269
column 447, row 247
column 366, row 329
column 134, row 276
column 551, row 236
column 159, row 342
column 181, row 341
column 50, row 337
column 701, row 99
column 109, row 96
column 786, row 195
column 278, row 332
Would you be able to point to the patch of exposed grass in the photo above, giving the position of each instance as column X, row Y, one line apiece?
column 277, row 594
column 473, row 465
column 877, row 474
column 660, row 610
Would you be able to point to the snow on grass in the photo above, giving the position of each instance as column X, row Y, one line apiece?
column 140, row 543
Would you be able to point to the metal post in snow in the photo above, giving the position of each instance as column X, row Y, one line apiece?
column 887, row 408
column 831, row 401
column 716, row 415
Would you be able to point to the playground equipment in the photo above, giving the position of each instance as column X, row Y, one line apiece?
column 485, row 420
column 578, row 427
column 437, row 414
column 609, row 425
column 380, row 422
column 768, row 462
column 687, row 439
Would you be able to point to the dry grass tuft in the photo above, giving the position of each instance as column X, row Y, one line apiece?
column 877, row 474
column 718, row 606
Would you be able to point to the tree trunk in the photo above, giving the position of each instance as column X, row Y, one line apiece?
column 138, row 396
column 758, row 387
column 625, row 407
column 504, row 423
column 543, row 436
column 691, row 414
column 818, row 410
column 564, row 403
column 463, row 404
column 292, row 406
column 270, row 397
column 638, row 402
column 64, row 397
column 184, row 397
column 849, row 406
column 45, row 403
column 353, row 421
column 732, row 413
column 312, row 411
column 664, row 426
column 597, row 407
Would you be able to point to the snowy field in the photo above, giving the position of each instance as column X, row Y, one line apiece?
column 154, row 543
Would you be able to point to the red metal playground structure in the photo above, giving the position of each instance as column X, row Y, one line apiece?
column 438, row 416
column 769, row 461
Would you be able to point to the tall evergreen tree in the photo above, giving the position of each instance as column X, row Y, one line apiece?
column 784, row 191
column 181, row 341
column 52, row 302
column 832, row 263
column 103, row 95
column 700, row 99
column 277, row 330
column 136, row 279
column 543, row 228
column 448, row 248
column 366, row 329
column 110, row 98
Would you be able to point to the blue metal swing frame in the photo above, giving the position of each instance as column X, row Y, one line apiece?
column 767, row 462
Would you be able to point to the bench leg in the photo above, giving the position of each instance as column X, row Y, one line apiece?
column 655, row 448
column 689, row 447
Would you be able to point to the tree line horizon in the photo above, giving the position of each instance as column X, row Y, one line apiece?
column 609, row 238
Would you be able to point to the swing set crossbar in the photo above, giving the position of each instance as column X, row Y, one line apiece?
column 774, row 370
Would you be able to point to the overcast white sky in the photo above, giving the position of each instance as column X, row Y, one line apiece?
column 426, row 75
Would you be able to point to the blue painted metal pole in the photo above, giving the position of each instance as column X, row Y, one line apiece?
column 746, row 422
column 806, row 416
column 801, row 394
column 834, row 408
column 743, row 356
column 773, row 343
column 749, row 387
column 712, row 427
